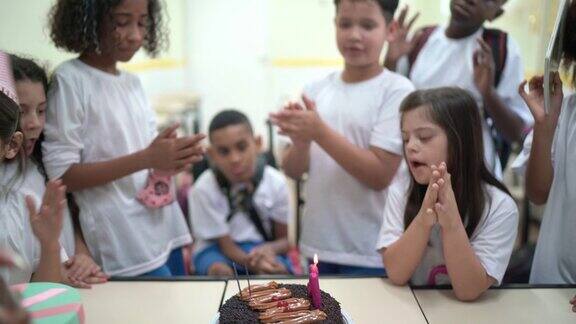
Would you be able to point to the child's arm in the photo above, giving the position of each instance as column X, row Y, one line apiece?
column 469, row 278
column 506, row 120
column 164, row 153
column 46, row 224
column 296, row 160
column 540, row 172
column 403, row 256
column 373, row 167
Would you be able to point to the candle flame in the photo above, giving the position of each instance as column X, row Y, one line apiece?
column 315, row 258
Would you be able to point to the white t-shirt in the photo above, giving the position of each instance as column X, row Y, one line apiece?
column 93, row 117
column 443, row 61
column 492, row 241
column 16, row 233
column 209, row 209
column 341, row 215
column 555, row 259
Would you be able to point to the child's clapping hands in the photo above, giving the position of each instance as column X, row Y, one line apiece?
column 302, row 124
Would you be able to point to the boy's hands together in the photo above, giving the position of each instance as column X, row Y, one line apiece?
column 263, row 260
column 302, row 124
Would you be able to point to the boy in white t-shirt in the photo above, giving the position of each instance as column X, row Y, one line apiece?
column 240, row 207
column 548, row 161
column 484, row 61
column 347, row 139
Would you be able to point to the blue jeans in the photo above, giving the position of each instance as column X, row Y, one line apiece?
column 212, row 254
column 342, row 269
column 173, row 267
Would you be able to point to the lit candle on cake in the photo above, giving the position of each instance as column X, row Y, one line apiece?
column 314, row 285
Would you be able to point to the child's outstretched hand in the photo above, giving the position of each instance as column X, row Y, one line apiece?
column 47, row 221
column 301, row 125
column 171, row 154
column 427, row 213
column 535, row 101
column 484, row 68
column 573, row 302
column 446, row 207
column 399, row 44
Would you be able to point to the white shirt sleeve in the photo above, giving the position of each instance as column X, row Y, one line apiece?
column 386, row 131
column 393, row 223
column 512, row 76
column 207, row 218
column 494, row 241
column 65, row 121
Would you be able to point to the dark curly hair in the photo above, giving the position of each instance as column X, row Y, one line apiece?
column 75, row 25
column 569, row 42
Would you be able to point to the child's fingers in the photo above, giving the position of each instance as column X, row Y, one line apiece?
column 402, row 15
column 310, row 105
column 412, row 21
column 167, row 133
column 522, row 90
column 92, row 280
column 536, row 84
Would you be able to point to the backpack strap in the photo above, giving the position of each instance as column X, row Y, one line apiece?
column 421, row 38
column 248, row 202
column 498, row 42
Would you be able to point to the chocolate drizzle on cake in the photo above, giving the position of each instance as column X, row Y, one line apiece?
column 278, row 303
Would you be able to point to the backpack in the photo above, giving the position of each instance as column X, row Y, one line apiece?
column 498, row 42
column 246, row 202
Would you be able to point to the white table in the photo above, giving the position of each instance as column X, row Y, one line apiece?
column 510, row 305
column 366, row 300
column 166, row 302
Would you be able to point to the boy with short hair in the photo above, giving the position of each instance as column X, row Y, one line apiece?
column 239, row 208
column 463, row 53
column 347, row 138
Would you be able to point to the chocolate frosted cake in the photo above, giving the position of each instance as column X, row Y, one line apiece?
column 279, row 303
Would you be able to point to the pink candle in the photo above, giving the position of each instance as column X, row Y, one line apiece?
column 314, row 285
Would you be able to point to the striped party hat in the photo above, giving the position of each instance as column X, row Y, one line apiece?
column 7, row 78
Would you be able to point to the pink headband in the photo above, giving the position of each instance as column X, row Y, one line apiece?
column 7, row 78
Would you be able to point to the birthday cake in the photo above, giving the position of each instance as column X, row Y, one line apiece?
column 51, row 303
column 279, row 303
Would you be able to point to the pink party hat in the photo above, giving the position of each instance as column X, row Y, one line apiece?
column 6, row 77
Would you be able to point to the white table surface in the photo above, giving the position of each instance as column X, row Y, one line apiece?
column 521, row 305
column 166, row 302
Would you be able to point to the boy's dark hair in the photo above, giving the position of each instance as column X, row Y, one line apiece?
column 227, row 118
column 388, row 7
column 569, row 42
column 75, row 25
column 25, row 69
column 456, row 112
